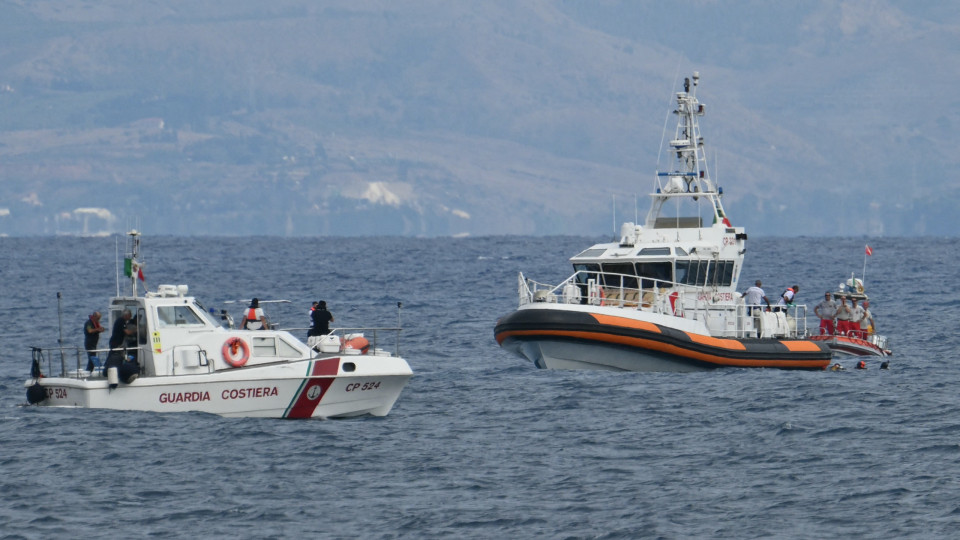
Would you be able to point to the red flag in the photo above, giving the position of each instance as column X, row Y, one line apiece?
column 869, row 252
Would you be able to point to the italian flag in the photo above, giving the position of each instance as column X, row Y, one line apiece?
column 130, row 268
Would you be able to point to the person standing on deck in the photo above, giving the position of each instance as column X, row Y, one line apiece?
column 91, row 337
column 753, row 296
column 321, row 320
column 866, row 323
column 844, row 314
column 254, row 319
column 826, row 310
column 118, row 336
column 787, row 298
column 856, row 319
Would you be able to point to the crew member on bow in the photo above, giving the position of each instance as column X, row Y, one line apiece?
column 855, row 318
column 254, row 319
column 866, row 322
column 844, row 314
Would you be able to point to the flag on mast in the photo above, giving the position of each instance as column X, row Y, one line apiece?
column 869, row 250
column 132, row 268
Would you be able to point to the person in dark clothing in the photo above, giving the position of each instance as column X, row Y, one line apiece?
column 321, row 319
column 91, row 337
column 119, row 339
column 130, row 339
column 119, row 334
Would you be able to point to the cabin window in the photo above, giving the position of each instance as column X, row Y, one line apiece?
column 655, row 274
column 141, row 326
column 692, row 272
column 591, row 253
column 725, row 273
column 617, row 275
column 274, row 346
column 181, row 316
column 264, row 346
column 286, row 350
column 586, row 271
column 700, row 273
column 657, row 251
column 208, row 315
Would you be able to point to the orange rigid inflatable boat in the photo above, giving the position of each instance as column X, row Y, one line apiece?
column 576, row 339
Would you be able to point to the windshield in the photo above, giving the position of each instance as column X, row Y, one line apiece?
column 214, row 320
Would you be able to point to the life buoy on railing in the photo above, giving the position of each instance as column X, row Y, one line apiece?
column 234, row 346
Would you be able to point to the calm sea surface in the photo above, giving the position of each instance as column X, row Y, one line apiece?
column 481, row 444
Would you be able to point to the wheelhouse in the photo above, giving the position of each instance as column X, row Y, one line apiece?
column 656, row 267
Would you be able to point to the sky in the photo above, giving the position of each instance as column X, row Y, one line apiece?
column 431, row 118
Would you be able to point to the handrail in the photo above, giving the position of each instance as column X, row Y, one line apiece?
column 343, row 331
column 693, row 302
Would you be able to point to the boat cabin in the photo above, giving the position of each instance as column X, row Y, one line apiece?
column 684, row 266
column 175, row 335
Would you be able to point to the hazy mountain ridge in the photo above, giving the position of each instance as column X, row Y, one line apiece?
column 483, row 118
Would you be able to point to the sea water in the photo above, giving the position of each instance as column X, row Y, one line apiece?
column 481, row 444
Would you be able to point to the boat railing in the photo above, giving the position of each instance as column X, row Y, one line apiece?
column 605, row 289
column 771, row 321
column 695, row 302
column 878, row 340
column 377, row 336
column 71, row 362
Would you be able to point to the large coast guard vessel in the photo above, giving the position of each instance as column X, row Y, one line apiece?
column 664, row 297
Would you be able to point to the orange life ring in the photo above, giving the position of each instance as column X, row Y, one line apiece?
column 230, row 349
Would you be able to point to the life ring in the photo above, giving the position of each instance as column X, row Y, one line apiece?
column 230, row 349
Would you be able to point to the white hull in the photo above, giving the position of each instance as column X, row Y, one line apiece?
column 305, row 389
column 558, row 354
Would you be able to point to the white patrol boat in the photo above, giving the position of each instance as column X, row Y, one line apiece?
column 663, row 298
column 179, row 358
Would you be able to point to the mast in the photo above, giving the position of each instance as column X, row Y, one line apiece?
column 688, row 181
column 131, row 263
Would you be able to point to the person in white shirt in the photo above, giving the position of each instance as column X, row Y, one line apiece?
column 844, row 314
column 856, row 319
column 867, row 325
column 827, row 311
column 753, row 296
column 786, row 299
